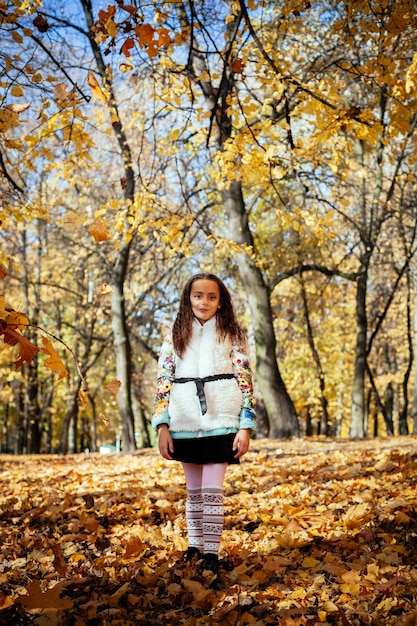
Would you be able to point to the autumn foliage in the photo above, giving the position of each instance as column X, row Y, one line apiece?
column 317, row 532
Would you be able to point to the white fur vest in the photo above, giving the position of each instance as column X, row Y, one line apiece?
column 205, row 356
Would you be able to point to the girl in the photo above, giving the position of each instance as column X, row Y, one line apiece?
column 203, row 408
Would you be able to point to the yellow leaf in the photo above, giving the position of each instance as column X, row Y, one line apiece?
column 309, row 561
column 350, row 576
column 105, row 289
column 17, row 91
column 411, row 76
column 73, row 219
column 357, row 515
column 385, row 605
column 126, row 67
column 92, row 82
column 351, row 589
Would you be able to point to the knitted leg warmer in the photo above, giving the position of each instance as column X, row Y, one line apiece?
column 194, row 518
column 213, row 518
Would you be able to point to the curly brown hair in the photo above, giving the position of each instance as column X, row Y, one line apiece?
column 226, row 321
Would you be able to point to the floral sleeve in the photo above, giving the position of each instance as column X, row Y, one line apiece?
column 241, row 366
column 166, row 375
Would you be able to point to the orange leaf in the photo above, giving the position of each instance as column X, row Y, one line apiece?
column 89, row 521
column 152, row 39
column 83, row 397
column 105, row 288
column 3, row 271
column 113, row 387
column 106, row 20
column 237, row 66
column 104, row 419
column 54, row 363
column 144, row 33
column 163, row 37
column 98, row 230
column 59, row 561
column 38, row 599
column 127, row 45
column 133, row 547
column 129, row 9
column 27, row 350
column 15, row 320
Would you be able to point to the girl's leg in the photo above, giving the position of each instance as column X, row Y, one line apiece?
column 194, row 505
column 213, row 505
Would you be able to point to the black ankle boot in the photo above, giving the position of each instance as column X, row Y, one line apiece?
column 211, row 563
column 192, row 553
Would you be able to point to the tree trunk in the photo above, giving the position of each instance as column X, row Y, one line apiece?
column 324, row 424
column 389, row 408
column 141, row 423
column 118, row 276
column 72, row 409
column 33, row 412
column 283, row 421
column 403, row 413
column 414, row 275
column 123, row 354
column 279, row 409
column 357, row 426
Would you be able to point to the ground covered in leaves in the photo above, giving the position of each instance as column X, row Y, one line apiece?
column 317, row 532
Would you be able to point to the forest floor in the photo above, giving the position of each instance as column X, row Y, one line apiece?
column 317, row 532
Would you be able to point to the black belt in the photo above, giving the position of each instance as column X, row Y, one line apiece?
column 200, row 386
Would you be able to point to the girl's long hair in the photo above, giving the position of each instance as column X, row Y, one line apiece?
column 226, row 322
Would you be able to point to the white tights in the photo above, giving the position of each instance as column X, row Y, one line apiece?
column 204, row 509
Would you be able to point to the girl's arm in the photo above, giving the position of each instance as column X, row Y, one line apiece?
column 166, row 374
column 243, row 373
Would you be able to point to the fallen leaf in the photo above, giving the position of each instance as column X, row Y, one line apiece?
column 37, row 598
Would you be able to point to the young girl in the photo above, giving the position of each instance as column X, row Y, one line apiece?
column 204, row 405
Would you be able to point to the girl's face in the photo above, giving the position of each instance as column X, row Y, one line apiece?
column 205, row 299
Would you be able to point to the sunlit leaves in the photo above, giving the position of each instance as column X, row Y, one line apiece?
column 115, row 542
column 411, row 77
column 147, row 37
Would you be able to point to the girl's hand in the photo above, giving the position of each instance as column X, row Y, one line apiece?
column 165, row 443
column 241, row 442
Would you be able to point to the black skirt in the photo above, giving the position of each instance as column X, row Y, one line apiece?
column 204, row 450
